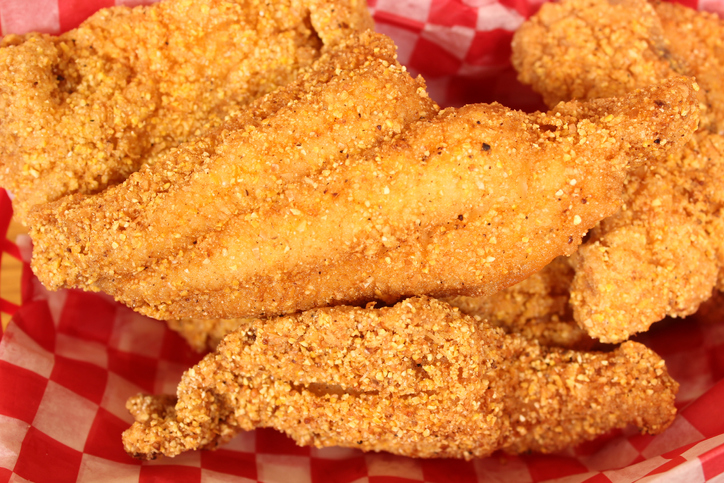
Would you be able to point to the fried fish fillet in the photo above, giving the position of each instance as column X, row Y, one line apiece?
column 85, row 109
column 662, row 253
column 466, row 202
column 418, row 379
column 589, row 49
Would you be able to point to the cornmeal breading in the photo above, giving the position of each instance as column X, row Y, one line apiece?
column 205, row 334
column 536, row 308
column 83, row 110
column 696, row 41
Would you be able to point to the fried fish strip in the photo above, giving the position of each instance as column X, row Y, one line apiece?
column 468, row 202
column 85, row 109
column 418, row 379
column 662, row 253
column 590, row 49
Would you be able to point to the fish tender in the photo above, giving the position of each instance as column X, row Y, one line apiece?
column 83, row 110
column 379, row 380
column 590, row 49
column 695, row 41
column 662, row 253
column 466, row 202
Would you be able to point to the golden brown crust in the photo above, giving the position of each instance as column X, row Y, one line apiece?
column 662, row 254
column 536, row 308
column 515, row 190
column 205, row 334
column 417, row 379
column 83, row 110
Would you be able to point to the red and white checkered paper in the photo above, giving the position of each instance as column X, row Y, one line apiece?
column 69, row 360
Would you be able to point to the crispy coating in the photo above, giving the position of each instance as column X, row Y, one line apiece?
column 83, row 110
column 417, row 379
column 467, row 202
column 662, row 253
column 536, row 308
column 205, row 334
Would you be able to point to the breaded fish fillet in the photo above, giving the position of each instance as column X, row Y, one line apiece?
column 590, row 49
column 662, row 253
column 467, row 202
column 417, row 379
column 83, row 110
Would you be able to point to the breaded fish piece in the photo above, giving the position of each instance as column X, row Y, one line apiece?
column 662, row 253
column 467, row 202
column 590, row 49
column 537, row 308
column 83, row 110
column 418, row 379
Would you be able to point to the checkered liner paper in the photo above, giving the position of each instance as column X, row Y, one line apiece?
column 69, row 360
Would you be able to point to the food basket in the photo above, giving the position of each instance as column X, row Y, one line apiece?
column 69, row 359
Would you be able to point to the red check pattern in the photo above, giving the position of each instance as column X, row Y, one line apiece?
column 69, row 360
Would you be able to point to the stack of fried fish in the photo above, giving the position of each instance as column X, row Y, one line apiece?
column 368, row 269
